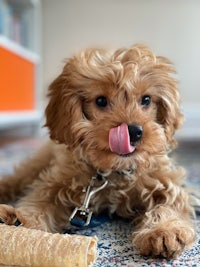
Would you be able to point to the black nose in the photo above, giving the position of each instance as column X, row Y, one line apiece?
column 135, row 132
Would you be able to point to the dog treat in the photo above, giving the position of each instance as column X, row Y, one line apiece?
column 28, row 247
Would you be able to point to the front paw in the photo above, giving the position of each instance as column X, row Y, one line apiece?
column 167, row 240
column 9, row 216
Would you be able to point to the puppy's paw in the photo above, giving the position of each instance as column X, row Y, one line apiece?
column 9, row 216
column 12, row 216
column 167, row 241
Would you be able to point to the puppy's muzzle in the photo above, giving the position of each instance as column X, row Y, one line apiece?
column 135, row 133
column 123, row 138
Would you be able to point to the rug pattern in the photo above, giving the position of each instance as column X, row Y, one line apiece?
column 114, row 235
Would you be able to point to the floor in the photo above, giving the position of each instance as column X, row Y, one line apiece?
column 114, row 246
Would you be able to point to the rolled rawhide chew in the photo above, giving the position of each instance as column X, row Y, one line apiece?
column 20, row 246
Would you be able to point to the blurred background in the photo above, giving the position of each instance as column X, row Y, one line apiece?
column 37, row 36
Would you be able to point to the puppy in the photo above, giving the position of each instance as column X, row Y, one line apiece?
column 111, row 116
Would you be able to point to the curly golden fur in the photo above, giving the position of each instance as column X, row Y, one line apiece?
column 48, row 186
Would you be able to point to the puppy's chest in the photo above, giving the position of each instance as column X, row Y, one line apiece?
column 114, row 197
column 118, row 194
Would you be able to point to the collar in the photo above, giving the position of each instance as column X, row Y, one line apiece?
column 81, row 216
column 107, row 173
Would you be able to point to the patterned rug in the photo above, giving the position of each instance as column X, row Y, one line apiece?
column 114, row 245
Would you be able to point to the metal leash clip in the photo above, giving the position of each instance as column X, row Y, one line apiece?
column 81, row 216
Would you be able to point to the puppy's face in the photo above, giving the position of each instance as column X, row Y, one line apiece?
column 118, row 109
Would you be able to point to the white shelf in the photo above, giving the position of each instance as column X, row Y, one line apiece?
column 18, row 49
column 24, row 2
column 21, row 35
column 12, row 119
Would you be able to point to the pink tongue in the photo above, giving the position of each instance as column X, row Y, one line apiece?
column 119, row 140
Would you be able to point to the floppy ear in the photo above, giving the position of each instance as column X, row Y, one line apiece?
column 170, row 116
column 64, row 108
column 169, row 113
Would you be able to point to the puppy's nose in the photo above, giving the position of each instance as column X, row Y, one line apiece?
column 135, row 132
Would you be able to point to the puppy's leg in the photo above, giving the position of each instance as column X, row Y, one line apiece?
column 13, row 186
column 8, row 216
column 46, row 206
column 46, row 217
column 164, row 231
column 27, row 218
column 36, row 217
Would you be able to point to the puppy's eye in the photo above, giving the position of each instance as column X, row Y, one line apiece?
column 101, row 101
column 146, row 101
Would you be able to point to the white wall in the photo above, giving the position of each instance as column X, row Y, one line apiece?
column 170, row 27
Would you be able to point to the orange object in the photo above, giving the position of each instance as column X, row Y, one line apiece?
column 17, row 82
